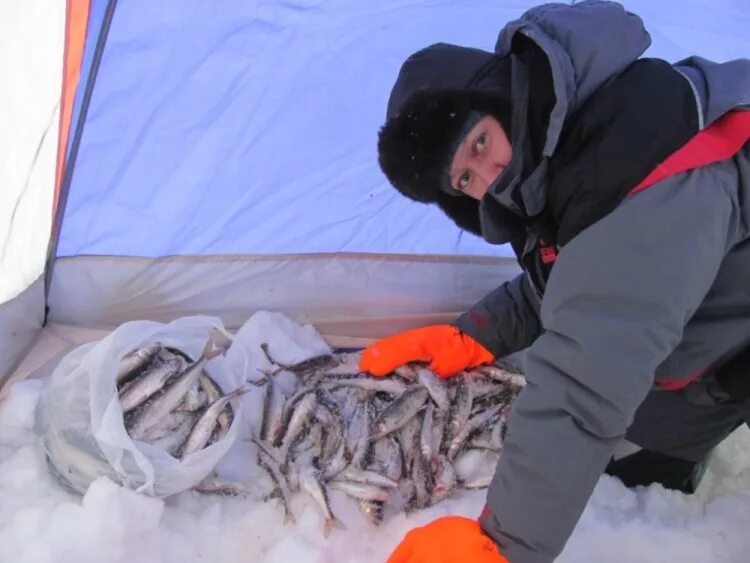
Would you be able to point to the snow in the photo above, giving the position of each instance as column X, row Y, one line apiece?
column 40, row 522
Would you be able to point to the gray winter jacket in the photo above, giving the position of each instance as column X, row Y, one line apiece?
column 660, row 287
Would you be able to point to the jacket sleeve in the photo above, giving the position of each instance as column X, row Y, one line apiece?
column 589, row 41
column 506, row 320
column 615, row 306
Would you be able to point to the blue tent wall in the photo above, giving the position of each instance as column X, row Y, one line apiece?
column 252, row 129
column 249, row 127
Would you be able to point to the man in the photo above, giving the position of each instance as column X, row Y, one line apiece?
column 623, row 185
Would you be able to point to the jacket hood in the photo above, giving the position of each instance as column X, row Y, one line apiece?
column 581, row 46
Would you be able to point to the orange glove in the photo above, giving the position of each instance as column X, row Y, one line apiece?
column 446, row 348
column 451, row 539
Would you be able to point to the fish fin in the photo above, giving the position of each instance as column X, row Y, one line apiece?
column 289, row 517
column 331, row 523
column 217, row 344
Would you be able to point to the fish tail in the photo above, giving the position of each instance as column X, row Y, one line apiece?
column 331, row 523
column 217, row 344
column 288, row 516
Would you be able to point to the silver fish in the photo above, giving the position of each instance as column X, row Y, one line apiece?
column 421, row 475
column 435, row 387
column 368, row 477
column 215, row 485
column 406, row 373
column 360, row 490
column 387, row 457
column 213, row 392
column 376, row 385
column 148, row 384
column 504, row 376
column 399, row 412
column 337, row 462
column 471, row 426
column 361, row 449
column 445, row 480
column 194, row 400
column 206, row 424
column 310, row 483
column 406, row 436
column 299, row 419
column 172, row 395
column 426, row 442
column 272, row 405
column 306, row 366
column 272, row 468
column 132, row 362
column 172, row 442
column 460, row 409
column 168, row 425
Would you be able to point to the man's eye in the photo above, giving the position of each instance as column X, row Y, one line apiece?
column 480, row 143
column 463, row 181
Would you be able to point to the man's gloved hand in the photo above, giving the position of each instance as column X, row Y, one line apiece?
column 446, row 348
column 451, row 539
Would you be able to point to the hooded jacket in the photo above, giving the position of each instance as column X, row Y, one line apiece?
column 654, row 289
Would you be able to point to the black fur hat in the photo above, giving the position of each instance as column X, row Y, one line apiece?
column 416, row 146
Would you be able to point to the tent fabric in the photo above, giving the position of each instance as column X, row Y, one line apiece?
column 96, row 11
column 31, row 46
column 20, row 322
column 250, row 129
column 77, row 17
column 185, row 148
column 346, row 294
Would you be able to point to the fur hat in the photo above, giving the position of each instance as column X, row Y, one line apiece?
column 416, row 146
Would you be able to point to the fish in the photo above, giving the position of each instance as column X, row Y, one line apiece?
column 311, row 484
column 173, row 441
column 399, row 412
column 471, row 426
column 204, row 427
column 444, row 480
column 460, row 409
column 387, row 457
column 368, row 477
column 213, row 391
column 435, row 387
column 406, row 436
column 171, row 395
column 512, row 378
column 132, row 362
column 381, row 385
column 399, row 441
column 194, row 400
column 299, row 419
column 148, row 384
column 301, row 368
column 361, row 491
column 426, row 442
column 215, row 485
column 272, row 468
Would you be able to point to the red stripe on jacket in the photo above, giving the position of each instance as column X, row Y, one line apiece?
column 721, row 140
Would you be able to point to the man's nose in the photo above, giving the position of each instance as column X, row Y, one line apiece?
column 489, row 172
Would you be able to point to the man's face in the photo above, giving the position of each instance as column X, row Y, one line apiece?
column 480, row 158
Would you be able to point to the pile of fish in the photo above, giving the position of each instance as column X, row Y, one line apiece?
column 170, row 401
column 396, row 443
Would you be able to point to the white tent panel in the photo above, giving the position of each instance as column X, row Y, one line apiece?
column 32, row 34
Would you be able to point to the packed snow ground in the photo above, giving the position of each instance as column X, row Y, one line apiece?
column 40, row 522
